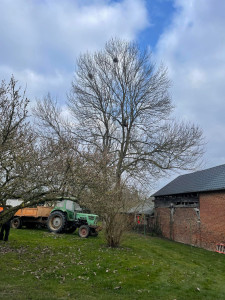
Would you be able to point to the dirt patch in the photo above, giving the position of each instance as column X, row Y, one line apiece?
column 5, row 248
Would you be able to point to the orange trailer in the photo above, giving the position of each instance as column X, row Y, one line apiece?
column 31, row 216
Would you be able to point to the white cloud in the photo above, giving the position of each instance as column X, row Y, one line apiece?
column 193, row 48
column 40, row 40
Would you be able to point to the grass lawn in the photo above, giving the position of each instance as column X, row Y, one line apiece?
column 36, row 264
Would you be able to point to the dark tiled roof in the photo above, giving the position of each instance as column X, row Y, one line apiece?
column 212, row 179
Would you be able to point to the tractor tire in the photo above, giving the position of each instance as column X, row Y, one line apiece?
column 84, row 231
column 16, row 223
column 56, row 222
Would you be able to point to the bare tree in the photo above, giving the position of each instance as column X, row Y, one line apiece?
column 121, row 104
column 53, row 129
column 122, row 110
column 31, row 169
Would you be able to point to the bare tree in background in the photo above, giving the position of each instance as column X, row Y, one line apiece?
column 54, row 129
column 122, row 108
column 31, row 170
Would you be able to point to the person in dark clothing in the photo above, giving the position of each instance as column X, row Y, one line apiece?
column 4, row 234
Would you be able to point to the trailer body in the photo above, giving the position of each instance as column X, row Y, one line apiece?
column 31, row 216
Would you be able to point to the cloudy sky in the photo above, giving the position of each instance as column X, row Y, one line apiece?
column 41, row 39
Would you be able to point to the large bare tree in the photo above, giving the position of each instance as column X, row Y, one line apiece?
column 122, row 107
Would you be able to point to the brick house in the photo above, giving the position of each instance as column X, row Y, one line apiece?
column 191, row 209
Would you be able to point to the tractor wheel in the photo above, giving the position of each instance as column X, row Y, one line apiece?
column 16, row 223
column 84, row 231
column 56, row 222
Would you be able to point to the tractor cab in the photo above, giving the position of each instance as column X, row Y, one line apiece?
column 69, row 207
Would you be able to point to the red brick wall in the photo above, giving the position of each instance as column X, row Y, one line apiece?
column 180, row 224
column 162, row 218
column 183, row 224
column 187, row 226
column 212, row 213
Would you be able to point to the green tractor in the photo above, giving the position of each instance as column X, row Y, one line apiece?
column 67, row 217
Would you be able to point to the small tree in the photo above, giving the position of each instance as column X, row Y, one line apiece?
column 101, row 196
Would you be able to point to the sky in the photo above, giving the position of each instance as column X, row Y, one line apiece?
column 41, row 39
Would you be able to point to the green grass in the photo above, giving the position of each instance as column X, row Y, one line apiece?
column 36, row 264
